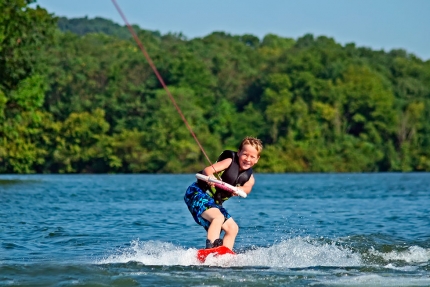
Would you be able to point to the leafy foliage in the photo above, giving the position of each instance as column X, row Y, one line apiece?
column 82, row 98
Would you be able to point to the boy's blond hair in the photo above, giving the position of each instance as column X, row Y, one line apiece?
column 254, row 142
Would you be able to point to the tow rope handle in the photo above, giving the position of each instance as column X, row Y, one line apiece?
column 222, row 185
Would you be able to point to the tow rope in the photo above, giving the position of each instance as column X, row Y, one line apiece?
column 160, row 79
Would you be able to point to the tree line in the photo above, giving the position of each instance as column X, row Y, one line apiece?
column 77, row 96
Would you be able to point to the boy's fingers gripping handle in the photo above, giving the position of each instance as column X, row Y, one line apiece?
column 240, row 192
column 222, row 185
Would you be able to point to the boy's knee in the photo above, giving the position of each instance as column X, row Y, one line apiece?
column 219, row 219
column 231, row 227
column 236, row 228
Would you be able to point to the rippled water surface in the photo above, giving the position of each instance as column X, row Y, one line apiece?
column 295, row 230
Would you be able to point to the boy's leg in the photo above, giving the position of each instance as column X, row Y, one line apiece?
column 231, row 229
column 216, row 218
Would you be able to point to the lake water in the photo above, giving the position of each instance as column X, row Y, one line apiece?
column 295, row 230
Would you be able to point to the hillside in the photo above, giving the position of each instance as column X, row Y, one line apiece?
column 88, row 101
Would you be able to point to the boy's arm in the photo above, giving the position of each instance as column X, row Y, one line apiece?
column 218, row 166
column 247, row 187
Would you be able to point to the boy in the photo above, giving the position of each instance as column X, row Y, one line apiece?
column 204, row 201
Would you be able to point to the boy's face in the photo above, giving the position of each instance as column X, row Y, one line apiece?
column 248, row 156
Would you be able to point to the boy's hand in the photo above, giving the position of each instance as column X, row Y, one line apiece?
column 211, row 177
column 239, row 192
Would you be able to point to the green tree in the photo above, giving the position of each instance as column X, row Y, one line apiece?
column 84, row 144
column 24, row 35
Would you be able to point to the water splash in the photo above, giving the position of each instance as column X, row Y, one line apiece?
column 413, row 254
column 301, row 252
column 292, row 253
column 153, row 253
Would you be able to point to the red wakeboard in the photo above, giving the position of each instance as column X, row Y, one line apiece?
column 221, row 250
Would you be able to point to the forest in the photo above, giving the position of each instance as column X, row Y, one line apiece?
column 78, row 96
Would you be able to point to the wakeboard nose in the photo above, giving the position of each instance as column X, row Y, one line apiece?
column 202, row 254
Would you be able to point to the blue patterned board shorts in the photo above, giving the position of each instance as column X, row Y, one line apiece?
column 198, row 201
